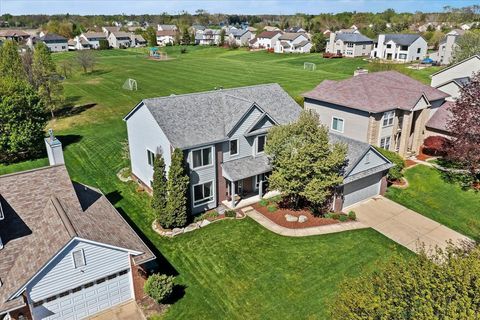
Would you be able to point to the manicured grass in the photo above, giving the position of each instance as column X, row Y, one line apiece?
column 231, row 269
column 430, row 195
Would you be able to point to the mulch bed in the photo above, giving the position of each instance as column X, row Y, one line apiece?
column 422, row 156
column 409, row 163
column 150, row 308
column 279, row 217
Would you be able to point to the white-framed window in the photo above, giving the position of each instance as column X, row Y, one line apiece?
column 78, row 257
column 202, row 193
column 388, row 118
column 337, row 124
column 202, row 157
column 150, row 157
column 234, row 147
column 385, row 143
column 261, row 140
column 349, row 44
column 402, row 56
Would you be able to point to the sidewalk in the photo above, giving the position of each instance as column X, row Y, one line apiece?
column 301, row 232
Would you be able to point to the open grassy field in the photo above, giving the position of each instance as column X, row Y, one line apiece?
column 429, row 194
column 232, row 269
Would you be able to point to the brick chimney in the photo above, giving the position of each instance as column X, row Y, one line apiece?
column 54, row 149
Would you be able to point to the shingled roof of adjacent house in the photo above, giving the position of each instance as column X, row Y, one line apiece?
column 353, row 37
column 43, row 212
column 375, row 92
column 441, row 117
column 95, row 35
column 291, row 35
column 269, row 34
column 164, row 33
column 52, row 37
column 403, row 39
column 196, row 119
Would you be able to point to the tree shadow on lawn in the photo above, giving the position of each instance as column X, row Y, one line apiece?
column 178, row 293
column 70, row 109
column 97, row 72
column 69, row 139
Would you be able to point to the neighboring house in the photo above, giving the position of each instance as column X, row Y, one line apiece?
column 78, row 44
column 385, row 109
column 137, row 40
column 450, row 80
column 110, row 29
column 400, row 47
column 223, row 134
column 119, row 39
column 165, row 37
column 167, row 27
column 265, row 40
column 295, row 29
column 270, row 28
column 447, row 46
column 208, row 37
column 240, row 36
column 350, row 30
column 66, row 253
column 16, row 35
column 72, row 44
column 349, row 44
column 293, row 43
column 93, row 38
column 54, row 42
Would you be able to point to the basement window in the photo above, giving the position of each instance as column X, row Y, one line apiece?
column 78, row 258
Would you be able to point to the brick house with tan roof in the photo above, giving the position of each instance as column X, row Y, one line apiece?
column 65, row 252
column 386, row 109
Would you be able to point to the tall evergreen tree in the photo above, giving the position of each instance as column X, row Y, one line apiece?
column 46, row 79
column 22, row 121
column 10, row 62
column 177, row 187
column 159, row 199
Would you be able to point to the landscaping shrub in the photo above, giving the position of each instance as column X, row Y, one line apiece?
column 335, row 216
column 352, row 215
column 328, row 216
column 159, row 287
column 230, row 213
column 183, row 50
column 263, row 202
column 396, row 172
column 275, row 199
column 435, row 146
column 272, row 208
column 343, row 217
column 207, row 215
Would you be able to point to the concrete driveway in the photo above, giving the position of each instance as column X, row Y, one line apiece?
column 404, row 226
column 125, row 311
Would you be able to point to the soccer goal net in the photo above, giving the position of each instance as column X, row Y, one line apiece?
column 309, row 66
column 130, row 84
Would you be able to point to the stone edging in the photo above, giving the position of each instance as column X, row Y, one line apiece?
column 405, row 186
column 121, row 178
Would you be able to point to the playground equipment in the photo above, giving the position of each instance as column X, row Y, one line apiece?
column 158, row 55
column 309, row 66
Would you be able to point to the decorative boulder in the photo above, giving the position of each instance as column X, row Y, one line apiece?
column 177, row 231
column 302, row 219
column 291, row 218
column 191, row 227
column 204, row 223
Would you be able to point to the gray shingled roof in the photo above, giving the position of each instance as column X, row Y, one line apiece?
column 353, row 37
column 43, row 212
column 196, row 119
column 441, row 117
column 291, row 35
column 403, row 39
column 242, row 168
column 52, row 37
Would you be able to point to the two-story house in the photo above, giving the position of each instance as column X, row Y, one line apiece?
column 93, row 38
column 240, row 36
column 400, row 47
column 65, row 251
column 119, row 39
column 54, row 42
column 208, row 37
column 386, row 109
column 223, row 134
column 349, row 44
column 165, row 37
column 266, row 39
column 293, row 43
column 447, row 46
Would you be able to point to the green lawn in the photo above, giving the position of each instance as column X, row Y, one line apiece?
column 232, row 269
column 439, row 200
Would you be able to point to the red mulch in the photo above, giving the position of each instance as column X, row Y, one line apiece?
column 409, row 163
column 279, row 217
column 399, row 183
column 422, row 156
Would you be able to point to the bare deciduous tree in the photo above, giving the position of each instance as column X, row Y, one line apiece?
column 86, row 60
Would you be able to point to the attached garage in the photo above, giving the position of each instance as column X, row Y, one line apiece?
column 361, row 189
column 86, row 300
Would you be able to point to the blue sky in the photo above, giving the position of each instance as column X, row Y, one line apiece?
column 225, row 6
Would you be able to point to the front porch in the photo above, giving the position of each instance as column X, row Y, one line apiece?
column 242, row 202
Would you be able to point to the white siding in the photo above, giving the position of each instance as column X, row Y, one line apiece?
column 202, row 175
column 451, row 88
column 465, row 69
column 355, row 121
column 145, row 133
column 61, row 275
column 374, row 158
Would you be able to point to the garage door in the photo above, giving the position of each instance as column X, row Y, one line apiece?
column 86, row 300
column 361, row 189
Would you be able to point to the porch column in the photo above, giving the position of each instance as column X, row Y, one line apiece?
column 260, row 189
column 232, row 192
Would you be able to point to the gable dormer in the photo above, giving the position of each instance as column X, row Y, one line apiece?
column 261, row 126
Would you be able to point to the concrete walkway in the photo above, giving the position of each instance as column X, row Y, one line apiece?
column 303, row 232
column 404, row 226
column 125, row 311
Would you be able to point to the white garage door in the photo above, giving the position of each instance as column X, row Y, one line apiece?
column 86, row 300
column 361, row 189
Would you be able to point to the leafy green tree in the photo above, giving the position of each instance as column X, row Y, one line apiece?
column 103, row 44
column 46, row 79
column 10, row 61
column 306, row 167
column 186, row 36
column 177, row 187
column 395, row 172
column 222, row 38
column 467, row 46
column 159, row 199
column 151, row 36
column 440, row 285
column 22, row 121
column 86, row 60
column 318, row 42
